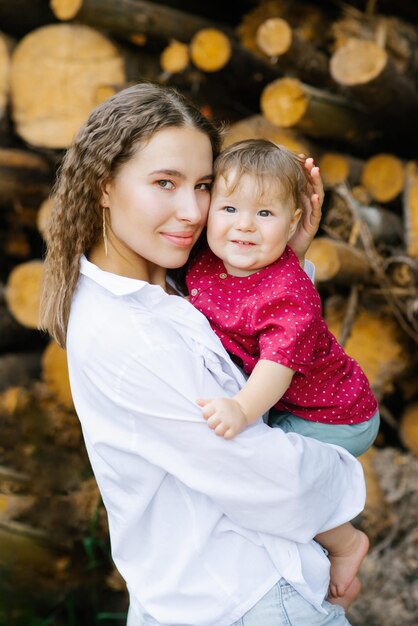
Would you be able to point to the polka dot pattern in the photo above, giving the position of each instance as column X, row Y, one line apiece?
column 276, row 314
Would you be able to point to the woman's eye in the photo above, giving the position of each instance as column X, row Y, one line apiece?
column 165, row 184
column 265, row 213
column 229, row 209
column 204, row 186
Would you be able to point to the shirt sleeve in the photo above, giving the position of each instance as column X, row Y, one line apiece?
column 265, row 480
column 288, row 328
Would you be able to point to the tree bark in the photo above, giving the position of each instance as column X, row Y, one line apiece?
column 127, row 19
column 410, row 209
column 19, row 369
column 25, row 177
column 339, row 262
column 289, row 103
column 292, row 54
column 366, row 72
column 375, row 343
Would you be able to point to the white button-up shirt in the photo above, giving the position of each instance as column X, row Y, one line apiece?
column 201, row 527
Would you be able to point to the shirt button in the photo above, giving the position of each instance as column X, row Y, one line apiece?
column 223, row 275
column 194, row 292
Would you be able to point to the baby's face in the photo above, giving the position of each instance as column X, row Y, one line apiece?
column 246, row 232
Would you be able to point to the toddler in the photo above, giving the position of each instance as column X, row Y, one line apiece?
column 268, row 315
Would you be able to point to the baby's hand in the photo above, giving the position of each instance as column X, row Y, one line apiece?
column 224, row 415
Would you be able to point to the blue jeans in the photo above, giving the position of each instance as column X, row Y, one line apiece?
column 284, row 606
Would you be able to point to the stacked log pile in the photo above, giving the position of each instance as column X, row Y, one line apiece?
column 337, row 82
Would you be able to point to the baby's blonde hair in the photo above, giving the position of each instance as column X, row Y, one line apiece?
column 275, row 169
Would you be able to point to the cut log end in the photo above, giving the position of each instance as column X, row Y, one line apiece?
column 23, row 292
column 274, row 37
column 357, row 62
column 335, row 168
column 383, row 176
column 51, row 100
column 65, row 9
column 284, row 102
column 257, row 127
column 210, row 50
column 55, row 373
column 175, row 57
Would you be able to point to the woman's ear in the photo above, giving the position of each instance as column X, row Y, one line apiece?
column 104, row 198
column 294, row 222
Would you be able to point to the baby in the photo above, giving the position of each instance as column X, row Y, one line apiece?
column 268, row 315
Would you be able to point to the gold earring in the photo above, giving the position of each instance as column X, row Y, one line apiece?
column 104, row 231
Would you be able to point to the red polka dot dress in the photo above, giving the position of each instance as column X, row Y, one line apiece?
column 276, row 314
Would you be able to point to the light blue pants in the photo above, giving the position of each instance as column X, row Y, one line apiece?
column 284, row 606
column 356, row 438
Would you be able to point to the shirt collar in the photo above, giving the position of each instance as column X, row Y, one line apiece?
column 118, row 285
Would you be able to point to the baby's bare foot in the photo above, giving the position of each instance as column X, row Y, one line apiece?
column 350, row 595
column 345, row 565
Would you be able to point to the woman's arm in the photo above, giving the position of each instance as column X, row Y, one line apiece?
column 265, row 480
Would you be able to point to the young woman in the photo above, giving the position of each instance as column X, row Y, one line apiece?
column 206, row 532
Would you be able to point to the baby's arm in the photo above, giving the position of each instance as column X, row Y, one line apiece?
column 266, row 385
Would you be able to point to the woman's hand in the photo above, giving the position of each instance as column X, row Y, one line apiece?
column 312, row 204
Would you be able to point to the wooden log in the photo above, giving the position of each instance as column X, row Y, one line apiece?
column 4, row 77
column 210, row 50
column 241, row 73
column 57, row 74
column 384, row 226
column 408, row 430
column 129, row 19
column 377, row 515
column 55, row 373
column 396, row 36
column 365, row 71
column 175, row 57
column 23, row 292
column 292, row 54
column 19, row 17
column 306, row 19
column 383, row 176
column 402, row 271
column 25, row 177
column 289, row 103
column 19, row 369
column 337, row 168
column 338, row 261
column 410, row 209
column 14, row 337
column 375, row 342
column 43, row 217
column 257, row 127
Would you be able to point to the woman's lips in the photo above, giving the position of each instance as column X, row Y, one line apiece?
column 180, row 239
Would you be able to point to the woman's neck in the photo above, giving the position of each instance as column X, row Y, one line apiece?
column 124, row 262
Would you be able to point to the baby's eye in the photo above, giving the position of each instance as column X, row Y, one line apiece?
column 165, row 184
column 229, row 209
column 265, row 213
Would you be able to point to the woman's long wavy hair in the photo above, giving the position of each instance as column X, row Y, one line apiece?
column 108, row 138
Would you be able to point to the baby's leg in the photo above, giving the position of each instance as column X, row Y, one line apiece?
column 347, row 546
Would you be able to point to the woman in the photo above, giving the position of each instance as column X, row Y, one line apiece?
column 205, row 531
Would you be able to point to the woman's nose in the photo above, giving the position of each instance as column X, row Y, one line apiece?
column 190, row 207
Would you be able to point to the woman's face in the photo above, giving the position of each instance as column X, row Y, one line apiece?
column 159, row 200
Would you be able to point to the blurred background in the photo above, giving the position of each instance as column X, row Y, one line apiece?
column 335, row 80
